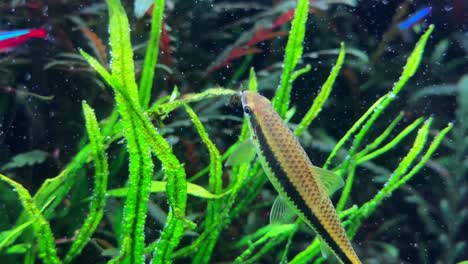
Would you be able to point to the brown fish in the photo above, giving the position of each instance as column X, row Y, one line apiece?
column 303, row 187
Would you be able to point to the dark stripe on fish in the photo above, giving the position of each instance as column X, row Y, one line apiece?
column 291, row 191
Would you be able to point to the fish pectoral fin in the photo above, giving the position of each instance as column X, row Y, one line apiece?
column 324, row 249
column 289, row 114
column 330, row 180
column 280, row 212
column 245, row 152
column 327, row 253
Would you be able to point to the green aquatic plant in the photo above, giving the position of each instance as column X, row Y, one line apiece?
column 150, row 155
column 443, row 220
column 292, row 55
column 96, row 207
column 26, row 159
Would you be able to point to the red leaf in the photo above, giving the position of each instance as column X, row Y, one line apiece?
column 234, row 54
column 285, row 17
column 264, row 34
column 165, row 46
column 94, row 38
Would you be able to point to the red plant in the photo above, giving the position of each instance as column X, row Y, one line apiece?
column 261, row 34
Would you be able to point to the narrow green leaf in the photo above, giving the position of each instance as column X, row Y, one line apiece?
column 413, row 61
column 430, row 151
column 54, row 190
column 404, row 164
column 160, row 186
column 292, row 55
column 350, row 164
column 163, row 109
column 215, row 182
column 417, row 147
column 353, row 129
column 390, row 145
column 298, row 73
column 44, row 236
column 176, row 187
column 122, row 53
column 110, row 79
column 376, row 143
column 96, row 208
column 239, row 174
column 273, row 236
column 369, row 207
column 141, row 168
column 253, row 86
column 152, row 52
column 140, row 160
column 9, row 237
column 18, row 248
column 307, row 254
column 411, row 66
column 323, row 95
column 224, row 157
column 124, row 252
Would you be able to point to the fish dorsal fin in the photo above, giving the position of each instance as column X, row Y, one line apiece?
column 280, row 212
column 330, row 180
column 245, row 152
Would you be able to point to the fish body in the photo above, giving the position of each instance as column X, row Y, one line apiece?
column 11, row 39
column 415, row 18
column 289, row 169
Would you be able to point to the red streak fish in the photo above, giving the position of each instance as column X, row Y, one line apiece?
column 14, row 38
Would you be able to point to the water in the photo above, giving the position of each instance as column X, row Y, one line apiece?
column 209, row 51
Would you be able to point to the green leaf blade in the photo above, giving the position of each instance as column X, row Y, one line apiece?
column 45, row 238
column 122, row 53
column 413, row 61
column 323, row 95
column 215, row 182
column 292, row 55
column 152, row 52
column 96, row 210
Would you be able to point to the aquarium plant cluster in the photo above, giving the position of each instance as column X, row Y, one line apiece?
column 142, row 202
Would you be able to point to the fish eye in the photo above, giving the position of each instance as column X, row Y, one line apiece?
column 247, row 110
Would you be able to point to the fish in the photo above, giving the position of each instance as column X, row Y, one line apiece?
column 415, row 18
column 14, row 38
column 303, row 187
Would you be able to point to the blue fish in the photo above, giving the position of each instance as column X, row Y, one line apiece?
column 415, row 18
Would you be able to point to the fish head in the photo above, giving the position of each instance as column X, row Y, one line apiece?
column 255, row 104
column 256, row 109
